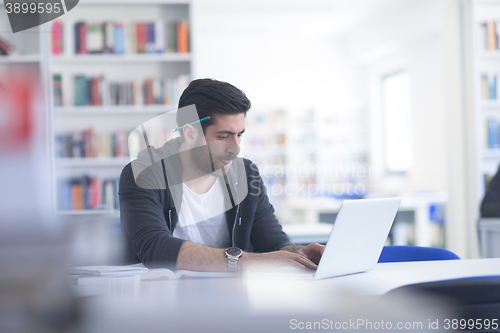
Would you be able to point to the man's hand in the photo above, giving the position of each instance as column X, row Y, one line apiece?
column 274, row 259
column 313, row 251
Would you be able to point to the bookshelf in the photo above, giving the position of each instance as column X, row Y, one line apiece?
column 266, row 146
column 112, row 67
column 472, row 107
column 485, row 69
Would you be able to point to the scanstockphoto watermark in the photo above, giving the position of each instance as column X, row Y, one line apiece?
column 26, row 14
column 354, row 171
column 357, row 324
column 311, row 190
column 338, row 180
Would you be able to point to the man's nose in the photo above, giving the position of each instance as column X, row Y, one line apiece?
column 233, row 148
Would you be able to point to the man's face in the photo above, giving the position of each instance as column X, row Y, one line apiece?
column 223, row 140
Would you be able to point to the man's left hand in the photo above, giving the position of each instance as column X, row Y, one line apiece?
column 313, row 251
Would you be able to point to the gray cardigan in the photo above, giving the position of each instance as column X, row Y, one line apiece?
column 151, row 189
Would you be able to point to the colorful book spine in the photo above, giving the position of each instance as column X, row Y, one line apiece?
column 5, row 47
column 183, row 37
column 492, row 40
column 159, row 37
column 151, row 38
column 119, row 38
column 57, row 37
column 108, row 31
column 94, row 38
column 493, row 133
column 141, row 37
column 82, row 38
column 172, row 37
column 57, row 84
column 490, row 87
column 490, row 35
column 77, row 196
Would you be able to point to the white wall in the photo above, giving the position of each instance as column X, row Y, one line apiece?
column 424, row 39
column 280, row 58
column 408, row 39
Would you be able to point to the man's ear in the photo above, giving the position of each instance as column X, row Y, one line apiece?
column 190, row 134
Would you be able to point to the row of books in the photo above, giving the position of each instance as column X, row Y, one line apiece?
column 492, row 130
column 489, row 32
column 97, row 90
column 78, row 193
column 490, row 90
column 124, row 38
column 87, row 144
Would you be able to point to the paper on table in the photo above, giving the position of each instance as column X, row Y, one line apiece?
column 164, row 273
column 128, row 270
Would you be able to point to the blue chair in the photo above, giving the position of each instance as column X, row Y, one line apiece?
column 414, row 253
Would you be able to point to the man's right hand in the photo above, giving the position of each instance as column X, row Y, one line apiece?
column 270, row 260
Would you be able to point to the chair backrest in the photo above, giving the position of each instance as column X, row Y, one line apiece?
column 489, row 237
column 414, row 253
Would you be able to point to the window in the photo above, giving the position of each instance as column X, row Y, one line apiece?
column 396, row 122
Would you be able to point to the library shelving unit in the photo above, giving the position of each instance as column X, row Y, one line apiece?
column 482, row 26
column 266, row 146
column 98, row 97
column 476, row 130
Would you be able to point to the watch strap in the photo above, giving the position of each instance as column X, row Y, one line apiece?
column 232, row 264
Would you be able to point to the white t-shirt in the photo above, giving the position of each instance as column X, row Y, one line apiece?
column 202, row 218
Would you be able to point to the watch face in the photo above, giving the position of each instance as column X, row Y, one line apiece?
column 233, row 251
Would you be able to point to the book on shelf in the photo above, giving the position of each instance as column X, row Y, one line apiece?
column 6, row 48
column 89, row 144
column 118, row 45
column 57, row 86
column 490, row 89
column 57, row 37
column 487, row 180
column 125, row 38
column 492, row 133
column 97, row 90
column 489, row 32
column 492, row 35
column 85, row 192
column 80, row 34
column 94, row 38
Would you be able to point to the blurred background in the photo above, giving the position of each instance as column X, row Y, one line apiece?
column 350, row 99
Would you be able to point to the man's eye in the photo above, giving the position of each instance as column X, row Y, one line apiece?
column 223, row 137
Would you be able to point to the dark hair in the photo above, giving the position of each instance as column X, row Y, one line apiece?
column 211, row 97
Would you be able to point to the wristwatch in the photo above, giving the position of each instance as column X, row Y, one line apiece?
column 233, row 254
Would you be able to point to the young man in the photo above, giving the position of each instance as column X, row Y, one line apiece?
column 193, row 204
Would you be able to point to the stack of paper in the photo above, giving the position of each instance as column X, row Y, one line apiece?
column 129, row 270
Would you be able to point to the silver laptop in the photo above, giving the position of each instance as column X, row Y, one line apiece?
column 357, row 237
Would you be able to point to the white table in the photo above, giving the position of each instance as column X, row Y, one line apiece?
column 261, row 303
